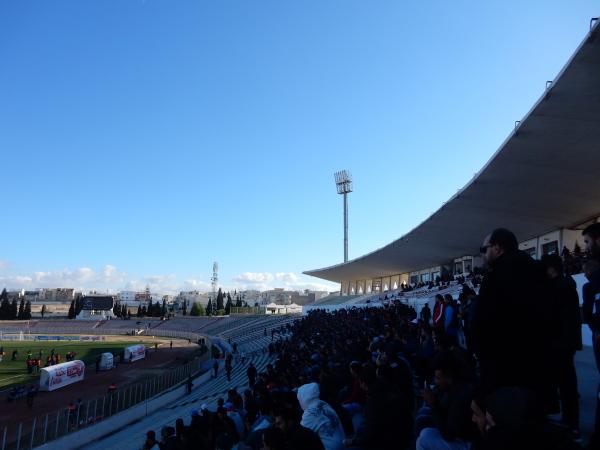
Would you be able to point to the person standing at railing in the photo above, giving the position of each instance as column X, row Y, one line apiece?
column 228, row 369
column 251, row 373
column 425, row 314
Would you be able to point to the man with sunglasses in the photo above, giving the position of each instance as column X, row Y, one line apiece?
column 510, row 325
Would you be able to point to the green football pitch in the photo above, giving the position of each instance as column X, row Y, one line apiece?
column 15, row 372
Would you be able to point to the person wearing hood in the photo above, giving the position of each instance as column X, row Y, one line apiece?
column 320, row 417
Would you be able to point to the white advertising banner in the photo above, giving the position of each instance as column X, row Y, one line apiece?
column 134, row 353
column 106, row 361
column 59, row 375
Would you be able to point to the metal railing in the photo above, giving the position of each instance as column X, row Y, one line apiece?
column 39, row 430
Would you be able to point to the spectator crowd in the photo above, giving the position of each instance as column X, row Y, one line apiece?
column 484, row 371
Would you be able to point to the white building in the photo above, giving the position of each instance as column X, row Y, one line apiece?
column 191, row 297
column 127, row 296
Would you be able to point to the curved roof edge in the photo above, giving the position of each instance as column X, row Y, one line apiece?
column 555, row 141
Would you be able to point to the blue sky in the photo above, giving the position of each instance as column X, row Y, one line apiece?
column 143, row 140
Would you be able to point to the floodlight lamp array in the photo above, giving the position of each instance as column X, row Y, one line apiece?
column 343, row 181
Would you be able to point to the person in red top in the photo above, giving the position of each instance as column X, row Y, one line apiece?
column 358, row 395
column 438, row 313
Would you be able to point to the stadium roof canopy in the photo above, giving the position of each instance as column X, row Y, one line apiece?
column 97, row 303
column 545, row 176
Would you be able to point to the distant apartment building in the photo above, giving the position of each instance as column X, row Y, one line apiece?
column 126, row 296
column 31, row 296
column 278, row 295
column 142, row 296
column 57, row 294
column 191, row 297
column 169, row 299
column 14, row 295
column 250, row 296
column 307, row 297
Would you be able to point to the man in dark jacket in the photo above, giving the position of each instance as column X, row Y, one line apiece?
column 512, row 422
column 591, row 290
column 449, row 405
column 591, row 305
column 388, row 422
column 566, row 340
column 510, row 327
column 251, row 373
column 297, row 437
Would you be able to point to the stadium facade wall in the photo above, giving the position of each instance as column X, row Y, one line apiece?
column 551, row 242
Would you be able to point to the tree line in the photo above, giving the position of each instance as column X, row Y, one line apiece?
column 216, row 308
column 14, row 310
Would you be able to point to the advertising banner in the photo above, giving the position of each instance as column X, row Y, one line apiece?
column 60, row 375
column 134, row 353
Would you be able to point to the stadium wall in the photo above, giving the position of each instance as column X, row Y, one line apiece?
column 546, row 243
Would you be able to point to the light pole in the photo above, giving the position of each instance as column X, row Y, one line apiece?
column 343, row 182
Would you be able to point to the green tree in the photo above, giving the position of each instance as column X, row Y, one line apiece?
column 139, row 311
column 4, row 305
column 238, row 302
column 124, row 310
column 27, row 311
column 195, row 311
column 71, row 314
column 78, row 304
column 209, row 307
column 43, row 311
column 164, row 308
column 4, row 308
column 21, row 310
column 13, row 310
column 228, row 305
column 219, row 300
column 184, row 307
column 157, row 309
column 117, row 309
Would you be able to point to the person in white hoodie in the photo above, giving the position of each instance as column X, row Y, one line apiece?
column 320, row 417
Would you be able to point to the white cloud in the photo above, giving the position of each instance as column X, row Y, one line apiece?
column 253, row 277
column 192, row 284
column 82, row 278
column 109, row 278
column 3, row 264
column 160, row 279
column 111, row 275
column 263, row 281
column 288, row 277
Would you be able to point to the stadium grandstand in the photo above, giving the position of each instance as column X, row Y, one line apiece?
column 348, row 375
column 541, row 183
column 94, row 307
column 391, row 376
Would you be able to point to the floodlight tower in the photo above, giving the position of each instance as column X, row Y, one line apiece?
column 343, row 182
